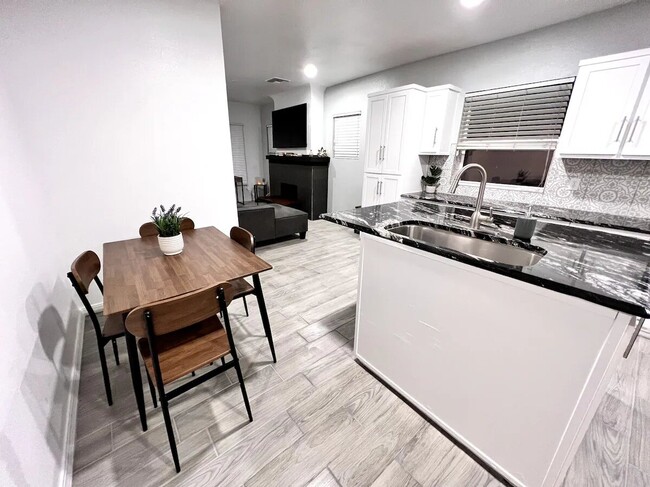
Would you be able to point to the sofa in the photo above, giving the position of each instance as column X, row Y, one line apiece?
column 268, row 221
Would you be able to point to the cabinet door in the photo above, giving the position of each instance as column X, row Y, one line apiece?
column 637, row 143
column 375, row 129
column 435, row 116
column 370, row 195
column 388, row 189
column 393, row 133
column 601, row 105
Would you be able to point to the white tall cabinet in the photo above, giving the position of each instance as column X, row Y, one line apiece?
column 396, row 135
column 608, row 115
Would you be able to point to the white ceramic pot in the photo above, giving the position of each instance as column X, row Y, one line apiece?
column 430, row 189
column 171, row 245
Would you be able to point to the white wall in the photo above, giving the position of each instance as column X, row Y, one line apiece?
column 548, row 53
column 107, row 108
column 249, row 115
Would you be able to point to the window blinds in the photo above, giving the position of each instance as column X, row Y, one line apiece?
column 518, row 117
column 238, row 151
column 347, row 135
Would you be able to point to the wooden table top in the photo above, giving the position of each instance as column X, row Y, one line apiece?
column 136, row 272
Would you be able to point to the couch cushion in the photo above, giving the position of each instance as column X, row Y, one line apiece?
column 286, row 211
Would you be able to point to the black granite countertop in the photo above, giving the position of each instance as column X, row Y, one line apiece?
column 604, row 268
column 617, row 222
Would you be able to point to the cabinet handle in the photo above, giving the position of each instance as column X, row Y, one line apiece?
column 620, row 131
column 636, row 122
column 381, row 153
column 377, row 187
column 435, row 136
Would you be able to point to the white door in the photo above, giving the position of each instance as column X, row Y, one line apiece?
column 637, row 143
column 388, row 189
column 435, row 115
column 601, row 105
column 393, row 133
column 370, row 195
column 375, row 129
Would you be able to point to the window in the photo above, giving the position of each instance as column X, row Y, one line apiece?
column 513, row 131
column 238, row 151
column 347, row 136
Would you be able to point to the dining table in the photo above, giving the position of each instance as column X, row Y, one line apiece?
column 137, row 273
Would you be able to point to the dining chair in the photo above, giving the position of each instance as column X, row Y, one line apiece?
column 149, row 229
column 83, row 271
column 241, row 287
column 180, row 335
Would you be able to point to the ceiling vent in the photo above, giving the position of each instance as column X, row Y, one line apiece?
column 275, row 79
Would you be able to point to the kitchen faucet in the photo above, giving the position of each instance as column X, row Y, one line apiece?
column 475, row 221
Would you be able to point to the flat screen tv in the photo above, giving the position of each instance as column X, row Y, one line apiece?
column 290, row 127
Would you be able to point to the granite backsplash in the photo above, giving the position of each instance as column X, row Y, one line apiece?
column 617, row 187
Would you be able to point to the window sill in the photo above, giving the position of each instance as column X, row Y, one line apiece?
column 505, row 187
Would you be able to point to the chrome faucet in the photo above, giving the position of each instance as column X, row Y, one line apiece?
column 475, row 221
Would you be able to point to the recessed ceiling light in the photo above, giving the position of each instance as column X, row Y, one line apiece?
column 471, row 3
column 310, row 71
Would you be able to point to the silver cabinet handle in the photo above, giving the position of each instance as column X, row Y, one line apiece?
column 435, row 136
column 377, row 187
column 381, row 153
column 635, row 335
column 620, row 131
column 381, row 187
column 636, row 122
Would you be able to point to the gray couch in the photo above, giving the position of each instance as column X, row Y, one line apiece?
column 268, row 221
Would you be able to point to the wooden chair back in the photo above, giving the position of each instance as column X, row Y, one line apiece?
column 85, row 268
column 187, row 224
column 243, row 237
column 149, row 229
column 176, row 313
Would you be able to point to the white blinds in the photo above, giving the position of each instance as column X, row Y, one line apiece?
column 518, row 117
column 238, row 151
column 347, row 135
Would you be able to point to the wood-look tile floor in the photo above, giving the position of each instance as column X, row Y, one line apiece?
column 319, row 418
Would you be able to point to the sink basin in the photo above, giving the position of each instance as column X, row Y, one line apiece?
column 484, row 249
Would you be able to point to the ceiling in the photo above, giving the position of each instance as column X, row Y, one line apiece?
column 347, row 39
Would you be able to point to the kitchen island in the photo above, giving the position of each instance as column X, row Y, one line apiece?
column 510, row 360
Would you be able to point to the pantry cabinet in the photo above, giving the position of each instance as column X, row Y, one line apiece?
column 396, row 138
column 608, row 110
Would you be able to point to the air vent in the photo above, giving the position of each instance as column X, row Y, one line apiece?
column 275, row 79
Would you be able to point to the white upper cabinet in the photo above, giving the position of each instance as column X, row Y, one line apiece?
column 637, row 143
column 393, row 117
column 604, row 117
column 442, row 114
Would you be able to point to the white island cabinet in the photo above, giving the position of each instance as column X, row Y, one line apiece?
column 513, row 371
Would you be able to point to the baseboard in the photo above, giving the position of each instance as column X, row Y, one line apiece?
column 97, row 308
column 65, row 479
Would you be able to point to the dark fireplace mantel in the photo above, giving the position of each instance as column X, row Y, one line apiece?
column 301, row 178
column 303, row 160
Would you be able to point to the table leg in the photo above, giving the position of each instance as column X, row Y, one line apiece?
column 136, row 377
column 265, row 316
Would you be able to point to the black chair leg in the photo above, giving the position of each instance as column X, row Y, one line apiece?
column 193, row 374
column 153, row 391
column 107, row 380
column 245, row 305
column 223, row 361
column 243, row 389
column 264, row 314
column 170, row 433
column 115, row 352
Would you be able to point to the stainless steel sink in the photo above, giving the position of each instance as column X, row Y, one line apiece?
column 484, row 249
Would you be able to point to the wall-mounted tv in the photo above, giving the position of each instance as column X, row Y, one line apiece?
column 290, row 127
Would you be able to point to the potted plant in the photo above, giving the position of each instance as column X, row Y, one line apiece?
column 432, row 179
column 168, row 223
